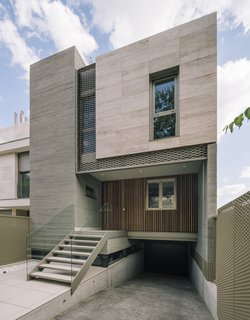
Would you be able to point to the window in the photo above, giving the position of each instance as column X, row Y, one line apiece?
column 164, row 108
column 90, row 192
column 161, row 194
column 24, row 185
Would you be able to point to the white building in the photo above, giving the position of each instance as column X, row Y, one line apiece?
column 14, row 168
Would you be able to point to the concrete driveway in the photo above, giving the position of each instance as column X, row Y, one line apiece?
column 149, row 297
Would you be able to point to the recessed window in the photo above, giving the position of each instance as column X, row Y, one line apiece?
column 161, row 194
column 90, row 192
column 23, row 189
column 164, row 108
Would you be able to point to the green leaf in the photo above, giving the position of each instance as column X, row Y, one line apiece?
column 247, row 113
column 239, row 120
column 231, row 127
column 225, row 128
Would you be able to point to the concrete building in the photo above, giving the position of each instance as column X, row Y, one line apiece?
column 129, row 144
column 14, row 167
column 14, row 190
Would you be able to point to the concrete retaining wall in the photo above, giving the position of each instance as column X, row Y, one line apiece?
column 112, row 276
column 207, row 289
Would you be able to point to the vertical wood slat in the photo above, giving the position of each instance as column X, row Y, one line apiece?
column 131, row 195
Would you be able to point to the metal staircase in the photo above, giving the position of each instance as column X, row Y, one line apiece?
column 70, row 259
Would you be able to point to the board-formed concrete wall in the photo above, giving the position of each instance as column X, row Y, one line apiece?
column 52, row 129
column 123, row 89
column 8, row 176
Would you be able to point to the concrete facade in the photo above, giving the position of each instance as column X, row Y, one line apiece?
column 123, row 80
column 54, row 185
column 123, row 127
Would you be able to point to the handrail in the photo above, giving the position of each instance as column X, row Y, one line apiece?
column 89, row 224
column 75, row 273
column 39, row 236
column 52, row 218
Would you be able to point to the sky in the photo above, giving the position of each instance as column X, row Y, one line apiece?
column 31, row 30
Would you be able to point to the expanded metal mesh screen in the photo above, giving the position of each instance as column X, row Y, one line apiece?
column 88, row 164
column 233, row 259
column 86, row 142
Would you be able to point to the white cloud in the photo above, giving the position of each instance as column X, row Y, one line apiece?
column 124, row 21
column 130, row 20
column 21, row 54
column 57, row 22
column 245, row 173
column 231, row 190
column 233, row 90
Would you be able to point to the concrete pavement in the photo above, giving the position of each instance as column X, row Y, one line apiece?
column 149, row 297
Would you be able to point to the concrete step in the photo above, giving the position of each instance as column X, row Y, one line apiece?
column 48, row 237
column 76, row 247
column 51, row 276
column 66, row 260
column 85, row 236
column 72, row 253
column 58, row 267
column 36, row 256
column 81, row 241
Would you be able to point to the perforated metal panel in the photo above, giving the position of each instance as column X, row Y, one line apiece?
column 143, row 159
column 86, row 142
column 233, row 259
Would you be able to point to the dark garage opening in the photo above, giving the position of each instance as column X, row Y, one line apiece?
column 166, row 257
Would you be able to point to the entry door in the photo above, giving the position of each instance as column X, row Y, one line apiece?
column 125, row 196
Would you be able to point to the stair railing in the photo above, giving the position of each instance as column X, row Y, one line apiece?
column 93, row 225
column 44, row 238
column 63, row 222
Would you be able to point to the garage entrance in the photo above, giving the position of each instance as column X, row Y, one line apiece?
column 166, row 257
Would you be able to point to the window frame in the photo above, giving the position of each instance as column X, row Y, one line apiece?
column 160, row 184
column 153, row 114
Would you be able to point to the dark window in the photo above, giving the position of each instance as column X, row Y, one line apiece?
column 24, row 185
column 90, row 192
column 153, row 195
column 164, row 108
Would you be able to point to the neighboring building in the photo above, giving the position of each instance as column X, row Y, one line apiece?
column 14, row 190
column 130, row 142
column 15, row 168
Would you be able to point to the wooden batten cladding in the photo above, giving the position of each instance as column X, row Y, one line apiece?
column 126, row 206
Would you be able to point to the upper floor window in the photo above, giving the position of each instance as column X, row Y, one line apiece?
column 164, row 108
column 161, row 194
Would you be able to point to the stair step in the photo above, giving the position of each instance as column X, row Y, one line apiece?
column 58, row 267
column 88, row 236
column 81, row 241
column 36, row 257
column 51, row 276
column 66, row 260
column 76, row 247
column 42, row 245
column 73, row 253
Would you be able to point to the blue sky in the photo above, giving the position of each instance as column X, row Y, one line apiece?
column 34, row 29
